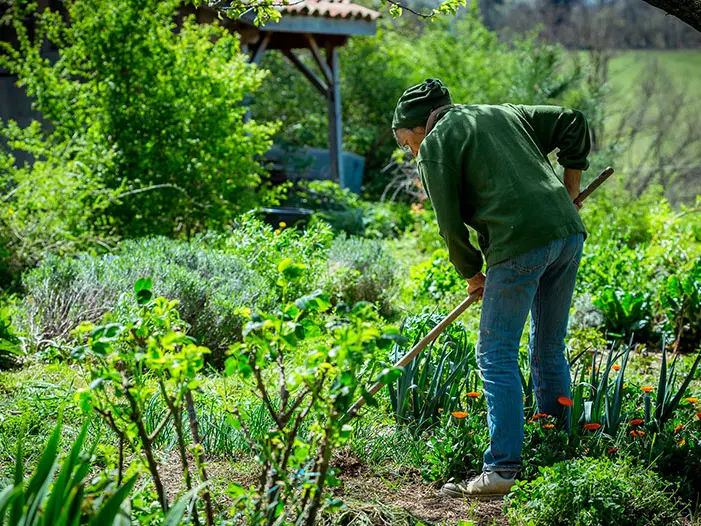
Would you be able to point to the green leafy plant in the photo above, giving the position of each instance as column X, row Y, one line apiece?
column 49, row 498
column 456, row 446
column 130, row 359
column 438, row 378
column 360, row 270
column 680, row 296
column 306, row 402
column 625, row 312
column 10, row 347
column 346, row 212
column 436, row 277
column 669, row 391
column 600, row 400
column 592, row 491
column 133, row 153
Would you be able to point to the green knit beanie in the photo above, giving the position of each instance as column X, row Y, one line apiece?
column 417, row 103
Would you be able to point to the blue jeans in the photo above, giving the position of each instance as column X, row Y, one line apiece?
column 540, row 281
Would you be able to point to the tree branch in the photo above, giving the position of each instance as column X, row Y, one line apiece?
column 688, row 11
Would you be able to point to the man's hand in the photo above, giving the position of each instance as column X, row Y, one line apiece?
column 475, row 284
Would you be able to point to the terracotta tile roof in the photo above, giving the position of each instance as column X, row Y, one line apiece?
column 330, row 9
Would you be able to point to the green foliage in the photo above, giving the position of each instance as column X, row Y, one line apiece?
column 625, row 312
column 263, row 248
column 456, row 447
column 361, row 270
column 680, row 296
column 669, row 390
column 599, row 399
column 143, row 351
column 437, row 277
column 634, row 250
column 59, row 493
column 438, row 378
column 313, row 394
column 345, row 212
column 145, row 132
column 590, row 491
column 210, row 285
column 461, row 52
column 674, row 452
column 544, row 445
column 9, row 341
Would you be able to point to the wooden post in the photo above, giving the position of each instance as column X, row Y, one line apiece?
column 335, row 130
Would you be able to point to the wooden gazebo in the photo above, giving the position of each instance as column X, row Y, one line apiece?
column 321, row 26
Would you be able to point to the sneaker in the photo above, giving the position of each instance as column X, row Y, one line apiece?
column 488, row 484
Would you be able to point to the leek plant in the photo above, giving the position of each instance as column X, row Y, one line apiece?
column 437, row 378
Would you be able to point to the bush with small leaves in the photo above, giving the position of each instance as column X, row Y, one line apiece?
column 144, row 351
column 211, row 285
column 592, row 491
column 307, row 402
column 360, row 270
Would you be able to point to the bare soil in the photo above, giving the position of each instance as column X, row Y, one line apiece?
column 371, row 498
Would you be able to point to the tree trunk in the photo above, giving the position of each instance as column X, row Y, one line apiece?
column 688, row 11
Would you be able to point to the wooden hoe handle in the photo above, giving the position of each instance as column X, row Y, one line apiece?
column 596, row 183
column 457, row 311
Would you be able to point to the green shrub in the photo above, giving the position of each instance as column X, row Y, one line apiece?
column 638, row 265
column 141, row 133
column 308, row 402
column 360, row 270
column 592, row 491
column 263, row 248
column 143, row 352
column 211, row 285
column 680, row 296
column 437, row 277
column 346, row 212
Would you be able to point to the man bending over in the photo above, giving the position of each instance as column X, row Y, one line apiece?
column 487, row 167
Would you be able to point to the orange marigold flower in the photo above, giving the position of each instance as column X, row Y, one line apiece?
column 692, row 400
column 474, row 394
column 459, row 414
column 678, row 428
column 635, row 433
column 612, row 450
column 540, row 415
column 548, row 426
column 647, row 388
column 636, row 421
column 681, row 442
column 592, row 426
column 616, row 367
column 567, row 402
